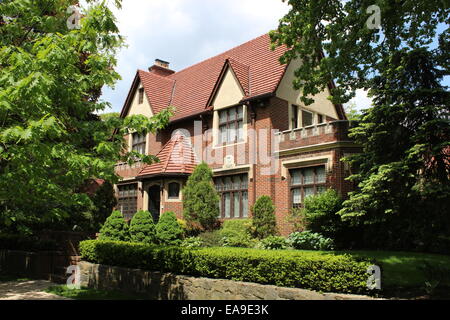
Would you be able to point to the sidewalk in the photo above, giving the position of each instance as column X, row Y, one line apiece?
column 27, row 290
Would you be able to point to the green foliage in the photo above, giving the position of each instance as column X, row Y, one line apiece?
column 273, row 243
column 236, row 233
column 402, row 174
column 115, row 228
column 200, row 198
column 192, row 242
column 308, row 270
column 103, row 201
column 51, row 138
column 142, row 228
column 211, row 238
column 296, row 218
column 168, row 230
column 264, row 223
column 354, row 52
column 308, row 240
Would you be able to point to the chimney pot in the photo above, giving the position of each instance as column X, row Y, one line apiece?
column 161, row 68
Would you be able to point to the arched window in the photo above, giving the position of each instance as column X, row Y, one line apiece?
column 174, row 190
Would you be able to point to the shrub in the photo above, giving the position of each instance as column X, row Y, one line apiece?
column 273, row 243
column 142, row 228
column 192, row 242
column 200, row 198
column 211, row 238
column 264, row 223
column 115, row 228
column 320, row 213
column 168, row 230
column 308, row 270
column 236, row 233
column 297, row 219
column 308, row 240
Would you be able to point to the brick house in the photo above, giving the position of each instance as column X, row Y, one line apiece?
column 239, row 113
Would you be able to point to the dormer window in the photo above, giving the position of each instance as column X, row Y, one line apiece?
column 231, row 125
column 141, row 96
column 301, row 118
column 139, row 142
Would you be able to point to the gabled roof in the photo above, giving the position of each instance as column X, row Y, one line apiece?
column 255, row 65
column 176, row 157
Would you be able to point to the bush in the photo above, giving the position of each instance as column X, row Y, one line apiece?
column 297, row 219
column 168, row 230
column 273, row 243
column 115, row 228
column 236, row 233
column 200, row 198
column 264, row 223
column 320, row 213
column 192, row 242
column 308, row 270
column 211, row 238
column 308, row 240
column 142, row 228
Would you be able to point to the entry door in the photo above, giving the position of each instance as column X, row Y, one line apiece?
column 154, row 200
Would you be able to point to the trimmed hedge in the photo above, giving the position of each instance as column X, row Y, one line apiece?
column 308, row 270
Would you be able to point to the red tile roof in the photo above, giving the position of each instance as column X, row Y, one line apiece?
column 256, row 66
column 177, row 156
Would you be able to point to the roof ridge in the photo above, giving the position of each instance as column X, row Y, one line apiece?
column 156, row 75
column 217, row 55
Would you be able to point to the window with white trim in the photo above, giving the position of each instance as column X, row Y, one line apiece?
column 231, row 125
column 305, row 182
column 139, row 142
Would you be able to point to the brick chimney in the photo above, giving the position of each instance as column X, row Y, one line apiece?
column 161, row 68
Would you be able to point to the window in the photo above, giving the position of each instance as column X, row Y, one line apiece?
column 141, row 96
column 127, row 200
column 174, row 190
column 231, row 125
column 294, row 119
column 233, row 192
column 307, row 118
column 319, row 118
column 139, row 142
column 305, row 182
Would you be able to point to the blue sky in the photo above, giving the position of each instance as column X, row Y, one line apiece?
column 185, row 32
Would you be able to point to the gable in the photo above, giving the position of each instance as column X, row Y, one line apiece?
column 137, row 108
column 229, row 91
column 286, row 92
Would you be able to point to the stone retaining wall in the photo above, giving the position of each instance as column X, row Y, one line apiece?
column 167, row 286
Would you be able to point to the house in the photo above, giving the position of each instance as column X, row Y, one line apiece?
column 238, row 112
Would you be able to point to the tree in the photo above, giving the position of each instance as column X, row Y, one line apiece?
column 142, row 228
column 103, row 201
column 168, row 230
column 403, row 172
column 264, row 223
column 51, row 138
column 200, row 198
column 115, row 228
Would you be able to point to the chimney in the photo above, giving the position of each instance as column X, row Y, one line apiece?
column 161, row 68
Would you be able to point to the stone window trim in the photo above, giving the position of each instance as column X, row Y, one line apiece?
column 167, row 198
column 287, row 165
column 302, row 185
column 217, row 124
column 236, row 194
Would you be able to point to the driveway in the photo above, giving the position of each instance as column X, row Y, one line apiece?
column 27, row 290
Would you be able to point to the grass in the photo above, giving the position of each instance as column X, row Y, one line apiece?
column 91, row 294
column 11, row 278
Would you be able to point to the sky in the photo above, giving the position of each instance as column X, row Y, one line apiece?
column 185, row 32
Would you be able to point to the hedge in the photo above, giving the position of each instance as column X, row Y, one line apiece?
column 300, row 269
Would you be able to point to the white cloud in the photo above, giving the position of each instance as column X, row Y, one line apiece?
column 185, row 32
column 361, row 100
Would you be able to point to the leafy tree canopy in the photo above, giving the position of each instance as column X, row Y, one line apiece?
column 51, row 139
